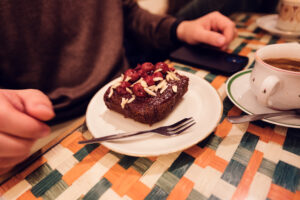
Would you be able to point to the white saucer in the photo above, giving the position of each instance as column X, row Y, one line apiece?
column 238, row 91
column 268, row 23
column 201, row 102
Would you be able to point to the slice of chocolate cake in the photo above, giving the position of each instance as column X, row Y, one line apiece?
column 147, row 93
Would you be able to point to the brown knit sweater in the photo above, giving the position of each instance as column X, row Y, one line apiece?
column 70, row 48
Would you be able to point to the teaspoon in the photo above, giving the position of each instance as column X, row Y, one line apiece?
column 254, row 117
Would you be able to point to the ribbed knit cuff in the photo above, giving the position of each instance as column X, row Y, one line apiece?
column 173, row 32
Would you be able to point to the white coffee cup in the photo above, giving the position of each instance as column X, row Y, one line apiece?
column 289, row 15
column 275, row 87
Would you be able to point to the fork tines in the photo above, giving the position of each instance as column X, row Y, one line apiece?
column 181, row 126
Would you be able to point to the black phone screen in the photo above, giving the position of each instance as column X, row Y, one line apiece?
column 216, row 61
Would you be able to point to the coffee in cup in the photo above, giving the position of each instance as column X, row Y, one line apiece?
column 289, row 15
column 275, row 78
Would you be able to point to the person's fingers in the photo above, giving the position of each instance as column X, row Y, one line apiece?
column 211, row 38
column 7, row 162
column 37, row 104
column 20, row 124
column 223, row 24
column 11, row 146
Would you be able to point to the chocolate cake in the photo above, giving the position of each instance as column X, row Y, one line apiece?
column 147, row 93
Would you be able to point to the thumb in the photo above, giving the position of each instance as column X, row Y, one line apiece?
column 212, row 38
column 37, row 104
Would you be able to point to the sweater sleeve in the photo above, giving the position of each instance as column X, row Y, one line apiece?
column 158, row 31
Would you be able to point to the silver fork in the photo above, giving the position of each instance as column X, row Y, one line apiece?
column 169, row 130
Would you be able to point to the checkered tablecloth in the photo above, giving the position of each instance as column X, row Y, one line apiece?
column 245, row 161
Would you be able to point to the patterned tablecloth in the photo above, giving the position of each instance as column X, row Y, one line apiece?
column 246, row 161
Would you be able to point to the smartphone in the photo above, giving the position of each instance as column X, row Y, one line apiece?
column 209, row 58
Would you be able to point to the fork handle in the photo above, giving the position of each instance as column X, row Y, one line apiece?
column 111, row 137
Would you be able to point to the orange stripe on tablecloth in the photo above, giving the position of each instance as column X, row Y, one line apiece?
column 71, row 142
column 19, row 177
column 297, row 195
column 182, row 189
column 218, row 163
column 28, row 196
column 218, row 81
column 126, row 181
column 265, row 134
column 194, row 151
column 205, row 157
column 114, row 173
column 244, row 185
column 79, row 169
column 277, row 138
column 234, row 111
column 245, row 51
column 244, row 30
column 280, row 41
column 153, row 158
column 223, row 128
column 138, row 191
column 256, row 42
column 278, row 193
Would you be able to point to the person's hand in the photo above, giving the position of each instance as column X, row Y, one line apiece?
column 214, row 29
column 21, row 116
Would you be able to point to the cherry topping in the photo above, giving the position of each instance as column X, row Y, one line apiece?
column 163, row 66
column 125, row 84
column 142, row 73
column 121, row 90
column 158, row 74
column 138, row 67
column 147, row 67
column 138, row 90
column 149, row 80
column 132, row 74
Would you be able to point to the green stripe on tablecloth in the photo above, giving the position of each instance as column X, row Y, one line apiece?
column 97, row 190
column 127, row 161
column 167, row 182
column 195, row 195
column 214, row 142
column 239, row 48
column 186, row 69
column 210, row 77
column 84, row 151
column 249, row 141
column 38, row 174
column 233, row 172
column 267, row 167
column 292, row 141
column 286, row 176
column 181, row 164
column 45, row 184
column 156, row 193
column 212, row 197
column 55, row 190
column 141, row 165
column 273, row 40
column 242, row 155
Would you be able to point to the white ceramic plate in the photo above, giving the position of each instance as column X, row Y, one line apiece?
column 201, row 102
column 268, row 23
column 238, row 91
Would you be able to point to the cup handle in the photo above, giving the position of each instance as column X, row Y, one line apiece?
column 268, row 87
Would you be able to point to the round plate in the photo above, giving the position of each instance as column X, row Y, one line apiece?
column 201, row 102
column 268, row 23
column 238, row 91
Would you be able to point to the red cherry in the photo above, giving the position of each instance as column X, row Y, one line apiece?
column 138, row 90
column 147, row 67
column 158, row 74
column 138, row 67
column 132, row 74
column 149, row 80
column 142, row 73
column 121, row 90
column 163, row 66
column 125, row 84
